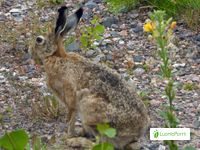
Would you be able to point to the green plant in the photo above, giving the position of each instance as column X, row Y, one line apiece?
column 189, row 86
column 19, row 140
column 105, row 131
column 144, row 97
column 119, row 5
column 37, row 144
column 161, row 30
column 49, row 108
column 15, row 140
column 56, row 1
column 91, row 34
column 189, row 148
column 189, row 10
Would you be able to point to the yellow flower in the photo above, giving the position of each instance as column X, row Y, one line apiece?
column 173, row 25
column 149, row 27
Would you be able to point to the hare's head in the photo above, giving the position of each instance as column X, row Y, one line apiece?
column 45, row 46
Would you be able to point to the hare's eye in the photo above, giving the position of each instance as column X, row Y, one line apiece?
column 40, row 40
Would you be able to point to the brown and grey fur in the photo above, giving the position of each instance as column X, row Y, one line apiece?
column 98, row 94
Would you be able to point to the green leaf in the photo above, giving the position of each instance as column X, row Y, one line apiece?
column 84, row 40
column 102, row 128
column 28, row 147
column 111, row 132
column 105, row 129
column 103, row 146
column 97, row 37
column 99, row 29
column 189, row 148
column 15, row 140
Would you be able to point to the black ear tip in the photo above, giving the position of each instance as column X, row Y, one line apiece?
column 62, row 8
column 79, row 12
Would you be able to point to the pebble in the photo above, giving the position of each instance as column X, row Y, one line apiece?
column 109, row 57
column 198, row 109
column 74, row 46
column 98, row 58
column 106, row 41
column 108, row 21
column 131, row 45
column 161, row 147
column 197, row 38
column 90, row 53
column 179, row 65
column 91, row 4
column 138, row 58
column 2, row 16
column 138, row 29
column 139, row 71
column 196, row 123
column 16, row 14
column 121, row 42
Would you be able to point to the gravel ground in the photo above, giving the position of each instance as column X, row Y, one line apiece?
column 23, row 89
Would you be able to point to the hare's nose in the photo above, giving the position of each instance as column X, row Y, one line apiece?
column 40, row 40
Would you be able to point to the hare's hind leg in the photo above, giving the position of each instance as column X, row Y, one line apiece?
column 92, row 110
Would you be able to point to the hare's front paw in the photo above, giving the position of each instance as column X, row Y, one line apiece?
column 79, row 142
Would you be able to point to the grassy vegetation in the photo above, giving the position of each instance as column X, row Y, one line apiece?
column 92, row 33
column 189, row 10
column 119, row 5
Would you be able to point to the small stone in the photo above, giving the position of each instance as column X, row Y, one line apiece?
column 138, row 29
column 197, row 38
column 130, row 45
column 179, row 65
column 196, row 123
column 106, row 41
column 90, row 53
column 16, row 14
column 123, row 26
column 153, row 146
column 138, row 58
column 134, row 15
column 108, row 21
column 123, row 33
column 114, row 34
column 74, row 46
column 161, row 147
column 122, row 70
column 198, row 109
column 98, row 58
column 138, row 71
column 121, row 42
column 91, row 4
column 106, row 35
column 2, row 16
column 114, row 26
column 116, row 39
column 109, row 57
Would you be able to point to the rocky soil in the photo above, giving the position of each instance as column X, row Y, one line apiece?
column 23, row 91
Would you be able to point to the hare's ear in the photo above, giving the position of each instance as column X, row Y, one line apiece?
column 50, row 33
column 65, row 24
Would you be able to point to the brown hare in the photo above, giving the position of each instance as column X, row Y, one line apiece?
column 98, row 94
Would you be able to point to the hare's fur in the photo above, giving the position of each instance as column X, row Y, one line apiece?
column 98, row 94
